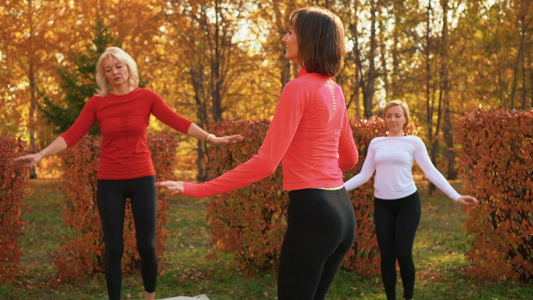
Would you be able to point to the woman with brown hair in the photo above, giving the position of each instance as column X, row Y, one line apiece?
column 311, row 134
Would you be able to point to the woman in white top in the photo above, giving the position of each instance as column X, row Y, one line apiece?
column 397, row 203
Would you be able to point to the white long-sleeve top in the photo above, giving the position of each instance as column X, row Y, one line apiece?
column 392, row 158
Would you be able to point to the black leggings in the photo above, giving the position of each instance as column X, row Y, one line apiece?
column 396, row 224
column 111, row 198
column 321, row 229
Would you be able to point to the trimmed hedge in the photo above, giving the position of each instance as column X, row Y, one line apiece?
column 13, row 187
column 248, row 222
column 82, row 254
column 496, row 149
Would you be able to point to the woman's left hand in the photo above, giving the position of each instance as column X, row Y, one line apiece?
column 223, row 140
column 176, row 187
column 467, row 200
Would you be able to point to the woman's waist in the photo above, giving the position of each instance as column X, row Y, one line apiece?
column 125, row 167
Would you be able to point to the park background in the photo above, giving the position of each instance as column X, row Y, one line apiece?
column 223, row 61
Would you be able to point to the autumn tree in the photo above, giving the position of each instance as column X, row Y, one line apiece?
column 223, row 59
column 27, row 57
column 524, row 19
column 363, row 55
column 78, row 83
column 273, row 16
column 209, row 56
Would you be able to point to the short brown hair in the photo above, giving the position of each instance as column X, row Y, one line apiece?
column 320, row 35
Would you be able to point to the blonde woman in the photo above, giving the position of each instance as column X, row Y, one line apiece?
column 122, row 110
column 397, row 203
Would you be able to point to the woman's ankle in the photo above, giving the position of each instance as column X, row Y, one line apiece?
column 150, row 296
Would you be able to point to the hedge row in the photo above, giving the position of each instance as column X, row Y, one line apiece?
column 82, row 254
column 496, row 149
column 13, row 186
column 248, row 222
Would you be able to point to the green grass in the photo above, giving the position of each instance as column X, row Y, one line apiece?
column 439, row 256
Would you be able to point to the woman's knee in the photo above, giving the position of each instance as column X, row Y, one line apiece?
column 404, row 256
column 146, row 250
column 114, row 252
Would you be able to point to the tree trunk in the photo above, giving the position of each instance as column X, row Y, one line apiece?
column 369, row 88
column 395, row 60
column 447, row 121
column 433, row 142
column 197, row 79
column 385, row 72
column 31, row 77
column 523, row 64
column 358, row 75
column 216, row 60
column 520, row 55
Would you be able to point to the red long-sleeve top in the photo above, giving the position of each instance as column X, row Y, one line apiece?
column 310, row 133
column 123, row 121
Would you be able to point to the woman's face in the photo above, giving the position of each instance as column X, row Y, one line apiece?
column 116, row 72
column 291, row 45
column 395, row 120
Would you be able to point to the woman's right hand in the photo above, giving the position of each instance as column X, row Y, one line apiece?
column 467, row 200
column 32, row 159
column 223, row 140
column 176, row 187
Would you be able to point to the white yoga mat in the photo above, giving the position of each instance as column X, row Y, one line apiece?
column 199, row 297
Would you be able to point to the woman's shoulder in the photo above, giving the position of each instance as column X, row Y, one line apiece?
column 296, row 90
column 378, row 141
column 414, row 139
column 95, row 99
column 145, row 92
column 306, row 81
column 381, row 139
column 416, row 142
column 296, row 83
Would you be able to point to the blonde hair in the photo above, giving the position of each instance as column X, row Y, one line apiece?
column 104, row 86
column 401, row 104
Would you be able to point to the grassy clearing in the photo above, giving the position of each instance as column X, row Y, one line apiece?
column 439, row 256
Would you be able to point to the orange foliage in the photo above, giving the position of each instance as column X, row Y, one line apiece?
column 496, row 156
column 248, row 222
column 82, row 254
column 50, row 167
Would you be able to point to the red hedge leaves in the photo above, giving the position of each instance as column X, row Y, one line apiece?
column 247, row 222
column 497, row 163
column 13, row 185
column 82, row 254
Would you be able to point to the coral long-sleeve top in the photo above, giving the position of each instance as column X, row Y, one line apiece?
column 393, row 158
column 123, row 121
column 310, row 133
